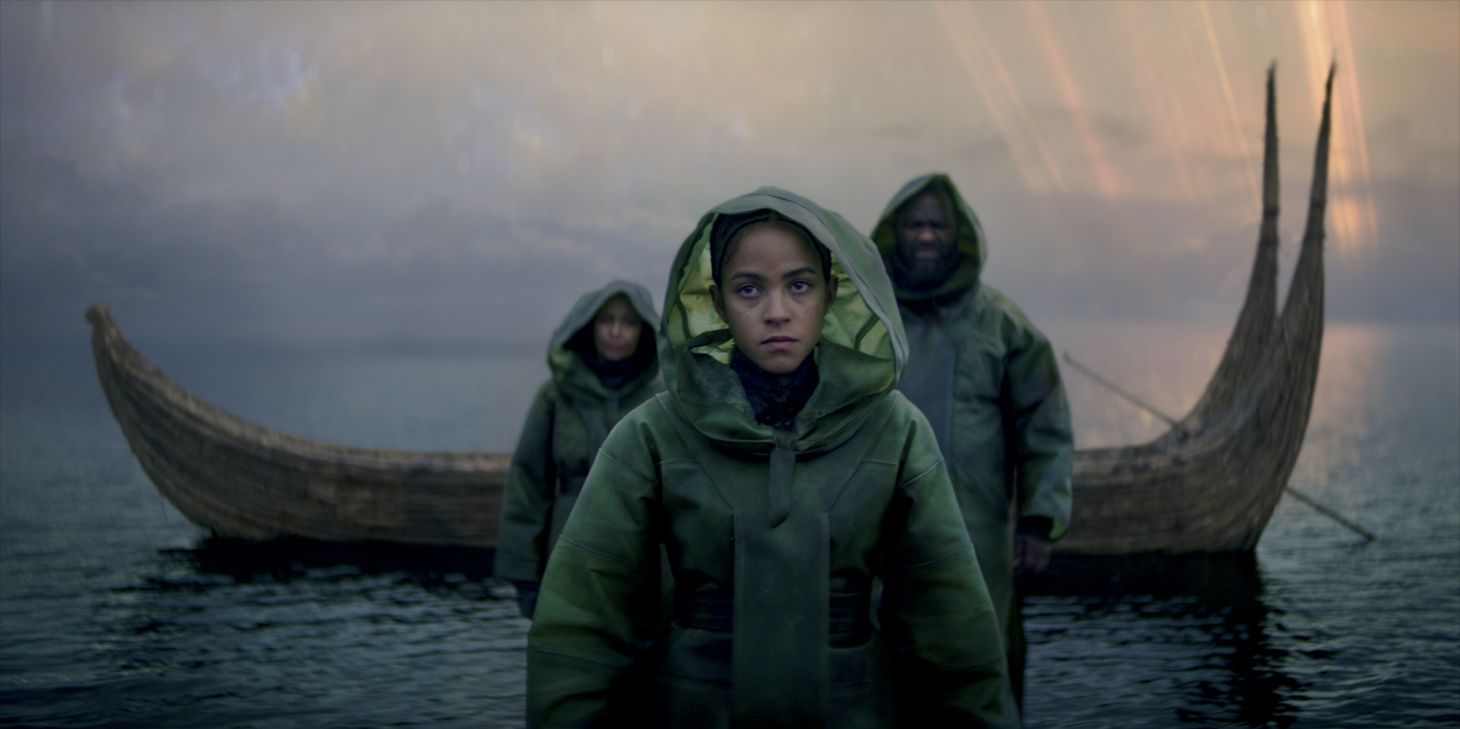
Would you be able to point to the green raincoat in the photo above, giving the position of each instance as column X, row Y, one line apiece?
column 775, row 538
column 989, row 384
column 571, row 415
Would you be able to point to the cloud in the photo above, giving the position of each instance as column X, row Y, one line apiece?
column 442, row 273
column 453, row 175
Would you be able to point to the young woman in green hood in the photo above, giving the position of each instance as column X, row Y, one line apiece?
column 603, row 364
column 785, row 478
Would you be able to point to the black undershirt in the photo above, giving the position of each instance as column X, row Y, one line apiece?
column 776, row 399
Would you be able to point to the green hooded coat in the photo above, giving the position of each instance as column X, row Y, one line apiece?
column 570, row 416
column 989, row 384
column 775, row 538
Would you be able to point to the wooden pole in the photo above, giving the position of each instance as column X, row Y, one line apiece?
column 1300, row 496
column 1092, row 374
column 1330, row 513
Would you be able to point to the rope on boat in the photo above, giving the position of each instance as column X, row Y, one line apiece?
column 1092, row 374
column 1300, row 496
column 1330, row 513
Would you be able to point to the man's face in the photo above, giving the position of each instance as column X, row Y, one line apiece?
column 925, row 236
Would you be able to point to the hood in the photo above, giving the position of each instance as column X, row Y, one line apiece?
column 970, row 238
column 568, row 369
column 860, row 356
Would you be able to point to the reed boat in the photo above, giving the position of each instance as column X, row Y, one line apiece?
column 1209, row 484
column 242, row 480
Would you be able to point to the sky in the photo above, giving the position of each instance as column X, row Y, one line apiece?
column 421, row 176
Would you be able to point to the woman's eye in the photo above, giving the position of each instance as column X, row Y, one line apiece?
column 800, row 287
column 746, row 290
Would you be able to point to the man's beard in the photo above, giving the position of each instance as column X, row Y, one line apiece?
column 924, row 274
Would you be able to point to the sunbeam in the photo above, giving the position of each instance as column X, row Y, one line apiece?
column 1153, row 85
column 1004, row 103
column 1326, row 40
column 1234, row 130
column 1105, row 177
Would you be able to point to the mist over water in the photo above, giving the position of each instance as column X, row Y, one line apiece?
column 115, row 610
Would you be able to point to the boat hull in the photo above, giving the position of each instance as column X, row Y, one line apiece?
column 238, row 479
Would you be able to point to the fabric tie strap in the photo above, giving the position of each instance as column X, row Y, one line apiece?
column 782, row 469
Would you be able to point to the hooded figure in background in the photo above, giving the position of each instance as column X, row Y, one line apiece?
column 603, row 363
column 786, row 478
column 988, row 382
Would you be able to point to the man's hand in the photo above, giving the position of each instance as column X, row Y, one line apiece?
column 527, row 597
column 1031, row 553
column 1031, row 544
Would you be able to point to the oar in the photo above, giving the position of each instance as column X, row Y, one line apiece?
column 1299, row 495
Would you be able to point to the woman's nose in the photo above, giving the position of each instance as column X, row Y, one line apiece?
column 776, row 307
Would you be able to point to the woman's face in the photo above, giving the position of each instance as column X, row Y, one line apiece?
column 774, row 297
column 616, row 330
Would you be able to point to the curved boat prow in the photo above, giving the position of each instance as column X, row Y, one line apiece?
column 1252, row 334
column 238, row 479
column 1211, row 483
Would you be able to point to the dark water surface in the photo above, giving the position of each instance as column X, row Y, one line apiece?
column 115, row 611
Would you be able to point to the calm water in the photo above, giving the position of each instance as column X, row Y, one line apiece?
column 115, row 611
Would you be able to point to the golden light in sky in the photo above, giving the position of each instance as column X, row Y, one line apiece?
column 1000, row 96
column 1070, row 94
column 1188, row 67
column 1326, row 39
column 1234, row 117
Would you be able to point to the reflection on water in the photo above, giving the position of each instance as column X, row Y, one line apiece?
column 1372, row 377
column 1197, row 624
column 282, row 560
column 295, row 633
column 115, row 611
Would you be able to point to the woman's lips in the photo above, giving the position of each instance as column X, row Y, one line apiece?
column 778, row 343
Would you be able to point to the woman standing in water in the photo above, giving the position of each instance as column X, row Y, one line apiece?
column 786, row 478
column 603, row 365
